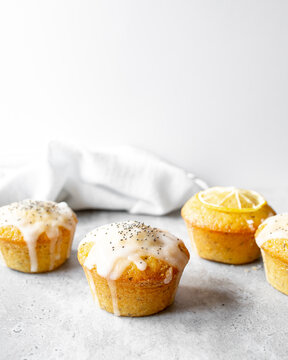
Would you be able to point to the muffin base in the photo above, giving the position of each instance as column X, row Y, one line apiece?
column 276, row 272
column 16, row 256
column 228, row 248
column 126, row 298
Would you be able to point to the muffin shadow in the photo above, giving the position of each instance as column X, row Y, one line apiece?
column 190, row 298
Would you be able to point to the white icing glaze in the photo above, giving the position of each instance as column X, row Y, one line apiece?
column 113, row 291
column 92, row 286
column 117, row 245
column 169, row 275
column 33, row 218
column 276, row 227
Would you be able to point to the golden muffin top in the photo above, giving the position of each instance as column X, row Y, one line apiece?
column 33, row 218
column 124, row 246
column 272, row 236
column 227, row 209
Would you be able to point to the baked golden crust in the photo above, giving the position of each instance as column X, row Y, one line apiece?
column 223, row 235
column 155, row 271
column 136, row 292
column 16, row 254
column 272, row 238
column 228, row 248
column 276, row 271
column 133, row 298
column 195, row 213
column 278, row 248
column 275, row 247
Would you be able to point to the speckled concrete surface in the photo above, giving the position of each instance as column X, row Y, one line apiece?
column 220, row 312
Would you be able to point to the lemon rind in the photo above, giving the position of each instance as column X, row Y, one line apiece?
column 233, row 210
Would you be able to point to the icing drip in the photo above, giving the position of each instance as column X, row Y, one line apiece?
column 116, row 245
column 275, row 227
column 33, row 218
column 113, row 291
column 92, row 286
column 169, row 275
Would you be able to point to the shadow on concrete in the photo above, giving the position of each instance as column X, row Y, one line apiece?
column 198, row 298
column 195, row 297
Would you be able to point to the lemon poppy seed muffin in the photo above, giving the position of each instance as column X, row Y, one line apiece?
column 222, row 221
column 36, row 236
column 272, row 238
column 132, row 269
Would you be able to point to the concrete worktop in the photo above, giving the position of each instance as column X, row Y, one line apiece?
column 220, row 311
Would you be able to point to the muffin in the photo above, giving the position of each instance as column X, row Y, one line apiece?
column 132, row 269
column 222, row 221
column 36, row 236
column 272, row 239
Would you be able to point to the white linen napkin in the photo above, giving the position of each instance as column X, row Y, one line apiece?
column 119, row 178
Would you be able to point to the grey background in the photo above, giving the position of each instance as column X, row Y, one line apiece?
column 201, row 83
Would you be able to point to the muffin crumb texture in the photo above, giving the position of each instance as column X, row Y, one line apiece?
column 272, row 238
column 225, row 233
column 36, row 236
column 132, row 269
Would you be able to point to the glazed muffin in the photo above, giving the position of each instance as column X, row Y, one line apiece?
column 132, row 269
column 36, row 236
column 222, row 221
column 272, row 238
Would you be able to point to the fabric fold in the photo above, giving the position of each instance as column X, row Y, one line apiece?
column 114, row 178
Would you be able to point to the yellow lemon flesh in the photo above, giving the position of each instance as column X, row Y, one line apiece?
column 231, row 199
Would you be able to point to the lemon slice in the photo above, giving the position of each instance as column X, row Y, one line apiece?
column 231, row 199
